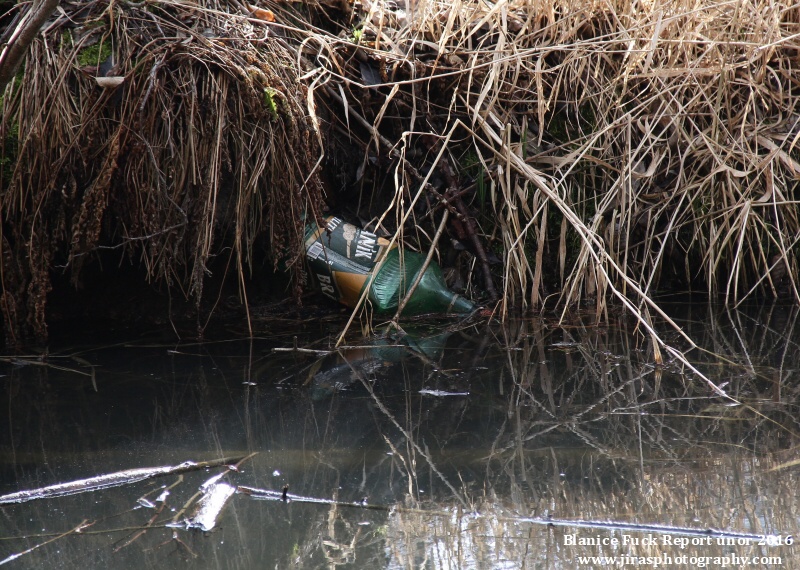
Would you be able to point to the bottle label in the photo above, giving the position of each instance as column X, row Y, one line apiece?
column 341, row 258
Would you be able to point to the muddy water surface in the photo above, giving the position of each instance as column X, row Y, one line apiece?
column 449, row 447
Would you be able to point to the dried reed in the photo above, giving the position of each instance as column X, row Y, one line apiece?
column 627, row 147
column 174, row 133
column 606, row 149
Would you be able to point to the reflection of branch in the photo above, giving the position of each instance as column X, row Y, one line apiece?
column 337, row 553
column 37, row 361
column 408, row 437
column 653, row 528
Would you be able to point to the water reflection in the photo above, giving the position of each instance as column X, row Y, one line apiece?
column 460, row 432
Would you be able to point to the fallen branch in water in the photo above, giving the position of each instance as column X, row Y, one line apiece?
column 108, row 480
column 270, row 495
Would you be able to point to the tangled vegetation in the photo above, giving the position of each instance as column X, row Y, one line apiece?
column 582, row 150
column 172, row 132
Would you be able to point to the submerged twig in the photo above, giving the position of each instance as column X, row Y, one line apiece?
column 77, row 529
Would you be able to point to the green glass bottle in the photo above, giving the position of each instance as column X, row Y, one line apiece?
column 342, row 259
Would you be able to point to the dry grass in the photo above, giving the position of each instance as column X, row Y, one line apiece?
column 626, row 146
column 604, row 149
column 203, row 147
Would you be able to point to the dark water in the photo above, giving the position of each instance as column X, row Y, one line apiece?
column 453, row 435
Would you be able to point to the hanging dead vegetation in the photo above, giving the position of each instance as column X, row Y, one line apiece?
column 582, row 150
column 607, row 149
column 173, row 132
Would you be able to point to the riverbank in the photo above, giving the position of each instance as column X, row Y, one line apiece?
column 584, row 153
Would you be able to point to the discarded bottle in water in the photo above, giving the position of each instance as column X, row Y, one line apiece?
column 342, row 260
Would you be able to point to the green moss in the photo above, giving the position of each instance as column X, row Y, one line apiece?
column 270, row 95
column 66, row 40
column 94, row 54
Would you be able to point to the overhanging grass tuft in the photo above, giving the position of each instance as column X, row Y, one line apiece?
column 181, row 162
